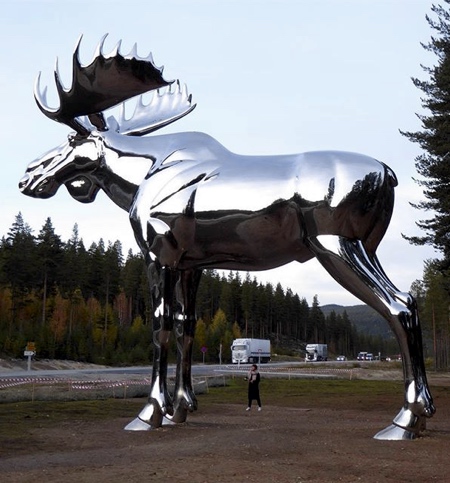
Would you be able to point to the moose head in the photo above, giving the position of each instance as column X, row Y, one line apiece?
column 107, row 81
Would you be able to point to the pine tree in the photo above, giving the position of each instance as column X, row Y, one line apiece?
column 74, row 266
column 50, row 252
column 435, row 309
column 317, row 320
column 135, row 286
column 20, row 261
column 280, row 309
column 434, row 164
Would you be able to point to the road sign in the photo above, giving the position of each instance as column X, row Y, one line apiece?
column 29, row 353
column 31, row 346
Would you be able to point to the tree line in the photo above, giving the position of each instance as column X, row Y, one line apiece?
column 92, row 304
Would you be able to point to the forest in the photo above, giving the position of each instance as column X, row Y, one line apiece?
column 92, row 304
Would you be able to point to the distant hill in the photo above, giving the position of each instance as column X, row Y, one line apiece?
column 364, row 319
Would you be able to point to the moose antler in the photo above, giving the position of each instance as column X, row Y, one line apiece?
column 106, row 82
column 165, row 107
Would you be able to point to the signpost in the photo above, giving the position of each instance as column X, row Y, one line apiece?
column 30, row 351
column 204, row 350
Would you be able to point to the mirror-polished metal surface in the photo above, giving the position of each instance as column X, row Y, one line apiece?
column 194, row 205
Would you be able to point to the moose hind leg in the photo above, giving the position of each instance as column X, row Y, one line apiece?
column 360, row 273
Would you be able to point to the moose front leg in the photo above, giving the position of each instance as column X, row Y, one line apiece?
column 184, row 397
column 159, row 406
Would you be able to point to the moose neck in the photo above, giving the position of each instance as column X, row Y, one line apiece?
column 121, row 170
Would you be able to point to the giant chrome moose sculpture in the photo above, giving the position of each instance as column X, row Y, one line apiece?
column 194, row 205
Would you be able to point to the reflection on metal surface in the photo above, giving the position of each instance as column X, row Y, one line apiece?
column 194, row 205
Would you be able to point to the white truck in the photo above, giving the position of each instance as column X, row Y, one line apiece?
column 316, row 352
column 250, row 351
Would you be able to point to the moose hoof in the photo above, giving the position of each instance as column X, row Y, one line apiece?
column 138, row 425
column 179, row 416
column 187, row 403
column 395, row 433
column 151, row 417
column 410, row 421
column 407, row 425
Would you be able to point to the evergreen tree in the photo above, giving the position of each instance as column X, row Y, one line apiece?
column 434, row 164
column 75, row 266
column 20, row 264
column 247, row 301
column 317, row 321
column 267, row 301
column 280, row 311
column 112, row 270
column 96, row 270
column 252, row 310
column 303, row 315
column 20, row 261
column 436, row 316
column 346, row 341
column 73, row 279
column 50, row 253
column 135, row 285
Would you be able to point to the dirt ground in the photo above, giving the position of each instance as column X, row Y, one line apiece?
column 324, row 441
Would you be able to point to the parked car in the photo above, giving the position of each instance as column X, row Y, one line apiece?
column 341, row 358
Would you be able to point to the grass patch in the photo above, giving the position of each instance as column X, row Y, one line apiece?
column 17, row 418
column 307, row 392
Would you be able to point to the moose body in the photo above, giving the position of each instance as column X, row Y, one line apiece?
column 252, row 212
column 194, row 205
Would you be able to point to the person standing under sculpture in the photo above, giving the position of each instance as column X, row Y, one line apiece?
column 253, row 387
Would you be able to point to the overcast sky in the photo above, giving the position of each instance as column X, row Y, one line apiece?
column 268, row 76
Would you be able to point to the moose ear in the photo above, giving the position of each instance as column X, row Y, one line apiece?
column 82, row 189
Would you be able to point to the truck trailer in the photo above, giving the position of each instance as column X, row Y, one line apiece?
column 316, row 352
column 250, row 351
